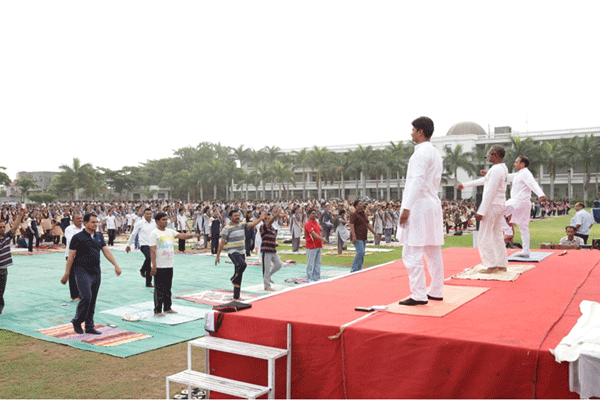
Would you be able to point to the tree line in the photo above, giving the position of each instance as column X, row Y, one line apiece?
column 211, row 170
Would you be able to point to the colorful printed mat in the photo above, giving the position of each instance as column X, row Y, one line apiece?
column 110, row 336
column 215, row 297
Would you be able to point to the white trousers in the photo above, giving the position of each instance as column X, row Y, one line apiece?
column 412, row 256
column 523, row 228
column 490, row 241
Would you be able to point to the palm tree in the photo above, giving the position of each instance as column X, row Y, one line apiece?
column 402, row 153
column 168, row 181
column 555, row 158
column 264, row 172
column 242, row 154
column 364, row 157
column 342, row 164
column 283, row 173
column 584, row 152
column 75, row 177
column 318, row 159
column 453, row 160
column 301, row 159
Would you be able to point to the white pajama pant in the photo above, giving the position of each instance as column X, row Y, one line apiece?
column 523, row 228
column 271, row 263
column 412, row 256
column 490, row 241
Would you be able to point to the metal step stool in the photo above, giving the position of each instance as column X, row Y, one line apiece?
column 228, row 386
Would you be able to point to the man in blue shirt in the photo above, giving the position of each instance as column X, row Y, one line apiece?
column 84, row 256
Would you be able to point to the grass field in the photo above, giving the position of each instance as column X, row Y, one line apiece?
column 32, row 368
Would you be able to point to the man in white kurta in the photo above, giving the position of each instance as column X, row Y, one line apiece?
column 421, row 229
column 518, row 208
column 491, row 212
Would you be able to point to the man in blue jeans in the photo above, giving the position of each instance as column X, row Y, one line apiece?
column 359, row 227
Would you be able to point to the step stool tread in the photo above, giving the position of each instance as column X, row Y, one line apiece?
column 242, row 348
column 219, row 384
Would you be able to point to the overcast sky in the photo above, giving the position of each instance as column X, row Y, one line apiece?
column 116, row 83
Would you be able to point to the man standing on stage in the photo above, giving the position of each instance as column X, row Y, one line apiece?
column 84, row 256
column 162, row 253
column 491, row 212
column 518, row 207
column 421, row 232
column 142, row 229
column 359, row 227
column 5, row 255
column 233, row 238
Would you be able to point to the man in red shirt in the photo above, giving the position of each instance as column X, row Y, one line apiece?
column 314, row 246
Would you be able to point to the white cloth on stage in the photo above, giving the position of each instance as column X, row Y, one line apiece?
column 423, row 233
column 490, row 240
column 581, row 348
column 425, row 223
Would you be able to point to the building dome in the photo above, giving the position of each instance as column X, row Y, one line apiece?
column 466, row 128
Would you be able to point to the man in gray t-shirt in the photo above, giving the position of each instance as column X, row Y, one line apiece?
column 233, row 239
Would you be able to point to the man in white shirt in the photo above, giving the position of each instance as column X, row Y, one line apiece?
column 71, row 231
column 491, row 212
column 111, row 226
column 582, row 221
column 142, row 229
column 162, row 253
column 421, row 229
column 518, row 208
column 182, row 227
column 571, row 239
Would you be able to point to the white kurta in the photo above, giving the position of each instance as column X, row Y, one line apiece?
column 425, row 223
column 491, row 239
column 523, row 183
column 422, row 235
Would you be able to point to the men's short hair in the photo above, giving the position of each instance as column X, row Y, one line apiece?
column 499, row 150
column 235, row 210
column 86, row 217
column 524, row 160
column 579, row 203
column 147, row 209
column 356, row 202
column 572, row 227
column 159, row 216
column 310, row 210
column 425, row 124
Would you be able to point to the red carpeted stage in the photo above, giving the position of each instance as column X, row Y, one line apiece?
column 494, row 346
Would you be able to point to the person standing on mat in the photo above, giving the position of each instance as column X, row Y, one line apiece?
column 270, row 260
column 5, row 254
column 491, row 212
column 421, row 230
column 314, row 246
column 141, row 230
column 359, row 227
column 84, row 256
column 233, row 239
column 162, row 253
column 518, row 207
column 71, row 231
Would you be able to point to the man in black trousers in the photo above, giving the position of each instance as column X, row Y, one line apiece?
column 84, row 256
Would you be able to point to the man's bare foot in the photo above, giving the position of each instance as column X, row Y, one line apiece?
column 76, row 299
column 171, row 311
column 271, row 280
column 492, row 270
column 159, row 314
column 270, row 290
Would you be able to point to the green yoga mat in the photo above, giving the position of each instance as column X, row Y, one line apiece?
column 35, row 299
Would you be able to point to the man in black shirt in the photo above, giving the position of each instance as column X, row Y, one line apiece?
column 84, row 256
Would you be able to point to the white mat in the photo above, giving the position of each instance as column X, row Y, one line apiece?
column 145, row 312
column 512, row 273
column 534, row 256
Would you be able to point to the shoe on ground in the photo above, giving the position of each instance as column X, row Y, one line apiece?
column 236, row 293
column 77, row 328
column 149, row 285
column 411, row 302
column 434, row 298
column 93, row 331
